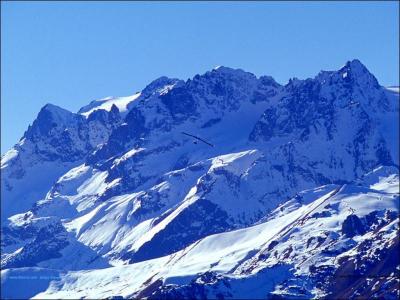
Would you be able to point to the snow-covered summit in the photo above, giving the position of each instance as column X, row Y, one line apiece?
column 107, row 103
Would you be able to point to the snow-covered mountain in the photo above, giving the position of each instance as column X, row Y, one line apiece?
column 222, row 186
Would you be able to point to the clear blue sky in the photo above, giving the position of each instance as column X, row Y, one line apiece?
column 71, row 53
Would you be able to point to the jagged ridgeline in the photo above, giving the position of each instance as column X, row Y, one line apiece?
column 223, row 186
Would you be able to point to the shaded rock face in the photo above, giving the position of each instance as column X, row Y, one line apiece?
column 320, row 110
column 58, row 140
column 166, row 104
column 180, row 103
column 58, row 134
column 46, row 243
column 353, row 226
column 302, row 110
column 378, row 277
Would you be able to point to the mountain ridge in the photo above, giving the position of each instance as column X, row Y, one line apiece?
column 118, row 179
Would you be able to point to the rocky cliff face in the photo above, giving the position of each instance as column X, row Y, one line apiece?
column 222, row 186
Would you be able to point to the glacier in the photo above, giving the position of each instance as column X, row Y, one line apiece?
column 298, row 198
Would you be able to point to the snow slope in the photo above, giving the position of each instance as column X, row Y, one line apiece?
column 242, row 254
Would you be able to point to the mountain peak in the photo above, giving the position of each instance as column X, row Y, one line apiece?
column 224, row 69
column 354, row 70
column 48, row 116
column 159, row 84
column 355, row 63
column 54, row 108
column 222, row 73
column 56, row 113
column 355, row 66
column 229, row 71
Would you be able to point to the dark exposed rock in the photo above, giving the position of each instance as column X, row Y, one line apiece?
column 353, row 226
